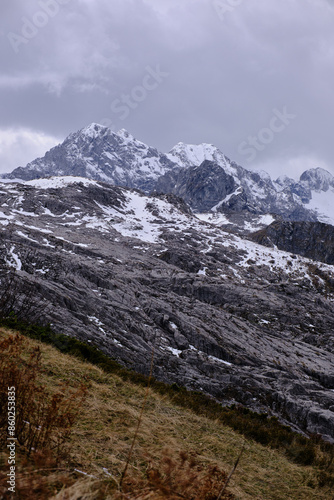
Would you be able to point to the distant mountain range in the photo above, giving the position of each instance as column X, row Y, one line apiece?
column 200, row 174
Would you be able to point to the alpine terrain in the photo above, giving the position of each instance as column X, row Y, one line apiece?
column 226, row 274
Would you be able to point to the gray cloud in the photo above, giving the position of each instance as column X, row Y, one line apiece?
column 230, row 64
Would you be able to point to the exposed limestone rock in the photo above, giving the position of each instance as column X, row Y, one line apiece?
column 314, row 240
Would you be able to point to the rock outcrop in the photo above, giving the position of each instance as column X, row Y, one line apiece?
column 201, row 187
column 314, row 240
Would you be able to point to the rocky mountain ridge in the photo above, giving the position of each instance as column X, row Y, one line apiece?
column 200, row 174
column 130, row 273
column 98, row 153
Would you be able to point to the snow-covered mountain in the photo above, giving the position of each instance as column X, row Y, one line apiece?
column 198, row 181
column 321, row 184
column 190, row 155
column 201, row 174
column 99, row 153
column 310, row 198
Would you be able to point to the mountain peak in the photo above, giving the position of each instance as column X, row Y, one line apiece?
column 98, row 153
column 194, row 148
column 263, row 175
column 93, row 130
column 317, row 179
column 187, row 155
column 124, row 133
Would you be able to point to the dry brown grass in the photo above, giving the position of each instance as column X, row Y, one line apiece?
column 102, row 437
column 43, row 419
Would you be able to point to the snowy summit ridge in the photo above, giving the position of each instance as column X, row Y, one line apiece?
column 201, row 174
column 99, row 153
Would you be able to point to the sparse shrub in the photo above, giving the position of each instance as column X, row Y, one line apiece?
column 19, row 297
column 43, row 421
column 178, row 476
column 37, row 477
column 325, row 479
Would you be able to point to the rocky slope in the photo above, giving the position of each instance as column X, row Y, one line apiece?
column 132, row 273
column 314, row 240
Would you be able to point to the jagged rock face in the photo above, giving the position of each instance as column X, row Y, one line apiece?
column 201, row 187
column 237, row 202
column 314, row 240
column 303, row 191
column 98, row 153
column 209, row 188
column 226, row 316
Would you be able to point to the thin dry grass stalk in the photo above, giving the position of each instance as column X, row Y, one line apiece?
column 139, row 421
column 231, row 473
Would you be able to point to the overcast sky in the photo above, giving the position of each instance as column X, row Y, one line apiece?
column 253, row 77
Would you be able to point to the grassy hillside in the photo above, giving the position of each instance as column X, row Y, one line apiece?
column 177, row 451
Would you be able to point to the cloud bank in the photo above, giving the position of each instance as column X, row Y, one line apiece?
column 197, row 71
